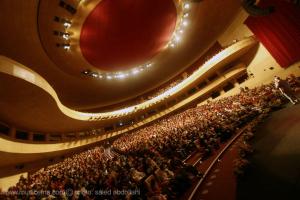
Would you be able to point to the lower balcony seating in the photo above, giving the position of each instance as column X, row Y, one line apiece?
column 148, row 163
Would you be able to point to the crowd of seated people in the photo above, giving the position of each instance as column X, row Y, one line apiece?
column 241, row 164
column 92, row 175
column 202, row 127
column 149, row 162
column 188, row 73
column 180, row 79
column 163, row 89
column 294, row 82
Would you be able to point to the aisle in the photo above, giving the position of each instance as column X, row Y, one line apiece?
column 275, row 172
column 220, row 182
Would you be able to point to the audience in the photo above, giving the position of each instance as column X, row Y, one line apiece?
column 148, row 163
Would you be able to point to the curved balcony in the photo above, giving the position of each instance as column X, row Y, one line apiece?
column 202, row 84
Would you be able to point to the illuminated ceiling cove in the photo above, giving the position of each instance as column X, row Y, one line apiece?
column 56, row 55
column 119, row 35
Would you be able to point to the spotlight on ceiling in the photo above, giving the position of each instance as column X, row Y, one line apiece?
column 135, row 71
column 66, row 46
column 120, row 76
column 66, row 36
column 186, row 6
column 177, row 38
column 95, row 75
column 172, row 45
column 185, row 23
column 67, row 24
column 86, row 72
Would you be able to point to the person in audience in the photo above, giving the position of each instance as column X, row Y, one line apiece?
column 285, row 90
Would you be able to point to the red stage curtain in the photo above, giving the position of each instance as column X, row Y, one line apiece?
column 279, row 32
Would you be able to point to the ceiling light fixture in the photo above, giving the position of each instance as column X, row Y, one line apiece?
column 135, row 71
column 177, row 38
column 186, row 6
column 66, row 36
column 67, row 24
column 184, row 23
column 95, row 75
column 66, row 46
column 177, row 35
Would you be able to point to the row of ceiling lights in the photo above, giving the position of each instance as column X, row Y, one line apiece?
column 66, row 35
column 176, row 38
column 117, row 75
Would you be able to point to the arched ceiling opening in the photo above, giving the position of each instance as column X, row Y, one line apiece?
column 118, row 35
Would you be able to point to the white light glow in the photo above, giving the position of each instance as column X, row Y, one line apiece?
column 67, row 24
column 186, row 6
column 66, row 36
column 66, row 47
column 177, row 38
column 120, row 76
column 135, row 71
column 185, row 23
column 94, row 75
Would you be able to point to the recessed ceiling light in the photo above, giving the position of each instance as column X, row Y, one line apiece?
column 184, row 23
column 66, row 36
column 66, row 46
column 186, row 6
column 120, row 76
column 94, row 74
column 67, row 24
column 172, row 45
column 177, row 38
column 135, row 71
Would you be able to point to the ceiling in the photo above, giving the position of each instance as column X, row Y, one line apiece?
column 118, row 35
column 27, row 38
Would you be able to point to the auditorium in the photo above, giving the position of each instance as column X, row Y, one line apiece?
column 149, row 99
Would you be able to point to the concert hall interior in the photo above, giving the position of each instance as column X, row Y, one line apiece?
column 149, row 99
